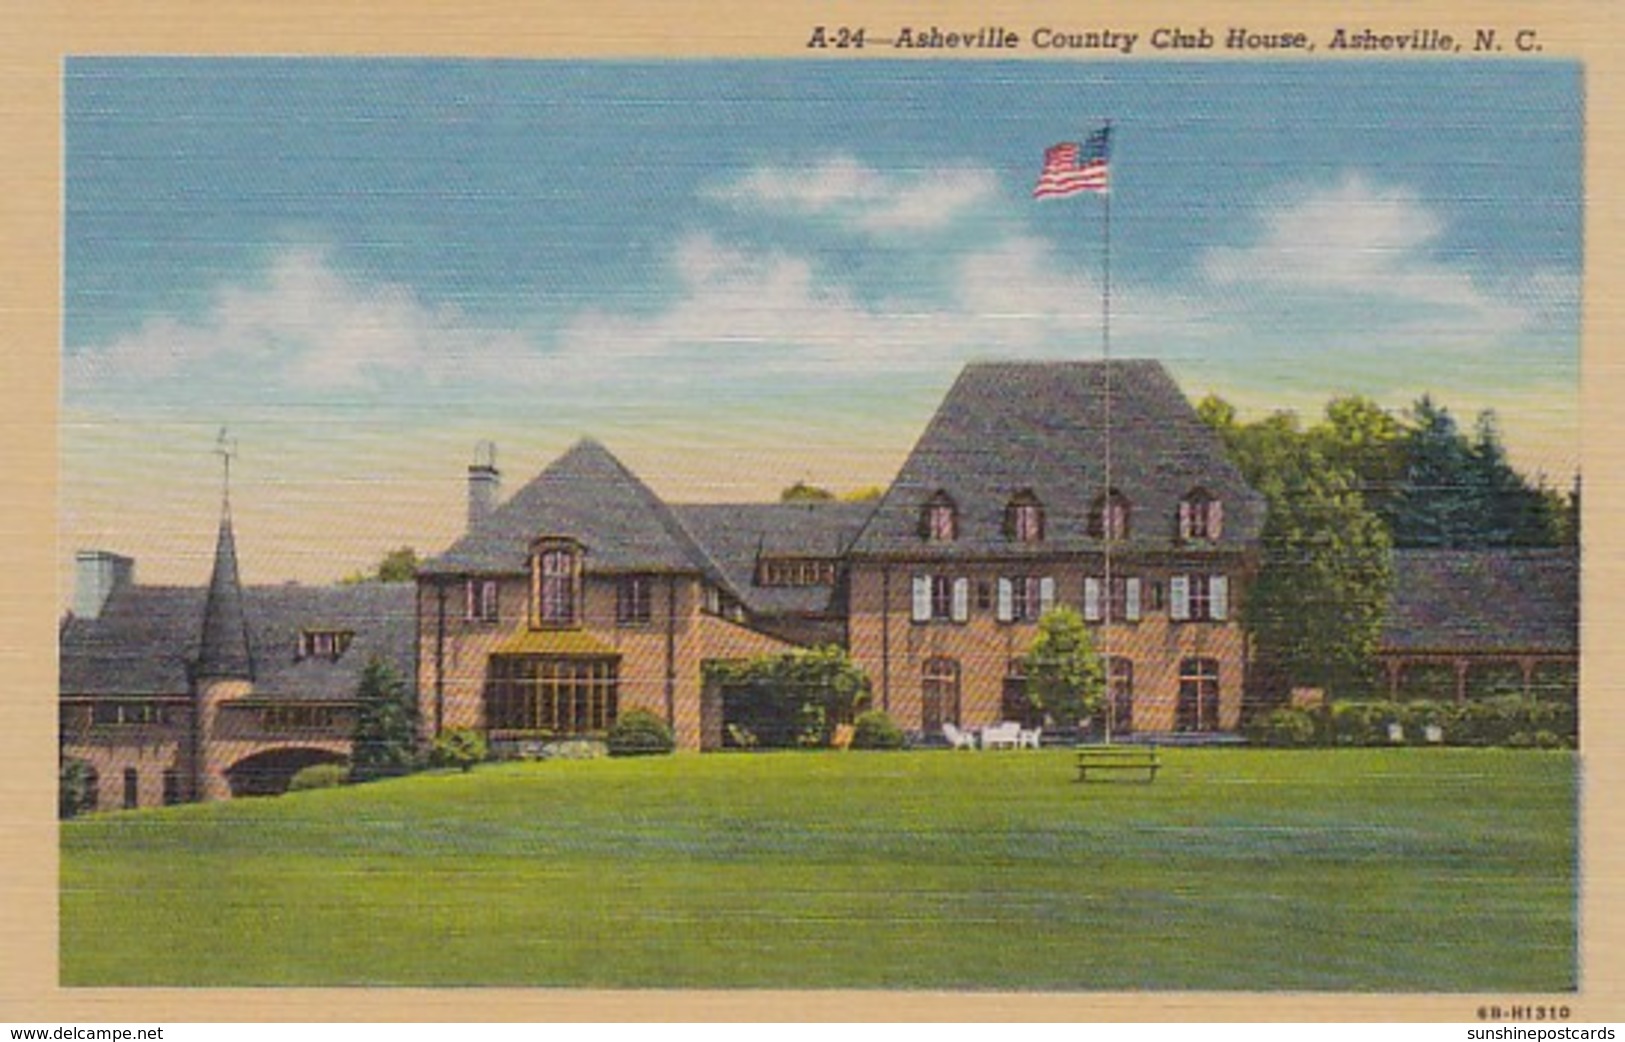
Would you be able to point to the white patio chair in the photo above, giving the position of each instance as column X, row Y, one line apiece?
column 958, row 739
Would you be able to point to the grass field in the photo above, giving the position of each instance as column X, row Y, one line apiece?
column 1407, row 870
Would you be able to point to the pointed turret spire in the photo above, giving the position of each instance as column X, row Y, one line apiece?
column 224, row 651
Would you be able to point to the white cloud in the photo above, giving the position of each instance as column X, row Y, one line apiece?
column 305, row 326
column 1370, row 252
column 865, row 198
column 746, row 315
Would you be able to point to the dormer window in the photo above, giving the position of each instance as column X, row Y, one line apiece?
column 1201, row 517
column 326, row 644
column 939, row 520
column 1024, row 518
column 556, row 584
column 1109, row 517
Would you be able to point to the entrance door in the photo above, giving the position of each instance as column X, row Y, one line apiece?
column 939, row 695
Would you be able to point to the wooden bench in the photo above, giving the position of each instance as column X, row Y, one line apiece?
column 1142, row 758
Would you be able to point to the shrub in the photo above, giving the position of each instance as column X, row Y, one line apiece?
column 793, row 699
column 460, row 747
column 74, row 788
column 574, row 749
column 640, row 733
column 876, row 730
column 1283, row 728
column 319, row 776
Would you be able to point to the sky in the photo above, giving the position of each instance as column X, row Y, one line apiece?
column 742, row 274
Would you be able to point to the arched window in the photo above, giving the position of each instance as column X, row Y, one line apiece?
column 939, row 519
column 1024, row 518
column 1109, row 517
column 1198, row 708
column 939, row 694
column 1201, row 516
column 556, row 584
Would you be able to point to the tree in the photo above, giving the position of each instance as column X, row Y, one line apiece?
column 397, row 566
column 1316, row 609
column 866, row 494
column 386, row 726
column 796, row 698
column 801, row 492
column 461, row 747
column 1065, row 677
column 1364, row 439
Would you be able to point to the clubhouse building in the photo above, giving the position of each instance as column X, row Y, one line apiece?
column 584, row 595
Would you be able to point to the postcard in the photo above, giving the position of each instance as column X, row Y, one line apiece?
column 1077, row 510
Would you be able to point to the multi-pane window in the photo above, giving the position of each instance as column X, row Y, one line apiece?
column 1199, row 598
column 797, row 571
column 556, row 587
column 1201, row 517
column 1109, row 517
column 1028, row 596
column 1117, row 601
column 939, row 520
column 129, row 713
column 297, row 718
column 940, row 598
column 634, row 597
column 1024, row 519
column 939, row 694
column 327, row 644
column 551, row 695
column 480, row 600
column 1198, row 708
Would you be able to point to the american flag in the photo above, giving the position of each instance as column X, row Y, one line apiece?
column 1070, row 168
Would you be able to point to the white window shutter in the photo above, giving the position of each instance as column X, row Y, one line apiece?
column 1215, row 519
column 1007, row 600
column 1219, row 592
column 1184, row 519
column 1131, row 600
column 961, row 600
column 922, row 598
column 1179, row 598
column 469, row 607
column 1091, row 599
column 1046, row 593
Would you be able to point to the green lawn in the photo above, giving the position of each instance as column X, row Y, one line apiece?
column 1424, row 869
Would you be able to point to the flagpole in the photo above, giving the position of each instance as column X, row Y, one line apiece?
column 1108, row 504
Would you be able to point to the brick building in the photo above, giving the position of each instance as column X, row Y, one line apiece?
column 179, row 693
column 584, row 594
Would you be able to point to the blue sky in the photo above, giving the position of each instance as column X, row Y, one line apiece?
column 741, row 274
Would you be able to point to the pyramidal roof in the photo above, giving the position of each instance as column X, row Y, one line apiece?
column 591, row 497
column 224, row 650
column 1039, row 428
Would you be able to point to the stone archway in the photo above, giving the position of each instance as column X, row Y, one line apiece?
column 268, row 773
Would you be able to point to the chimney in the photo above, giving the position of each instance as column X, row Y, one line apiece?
column 484, row 483
column 97, row 573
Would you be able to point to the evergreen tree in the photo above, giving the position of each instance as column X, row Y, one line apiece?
column 386, row 726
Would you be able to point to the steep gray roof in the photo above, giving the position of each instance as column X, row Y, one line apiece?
column 736, row 534
column 147, row 636
column 1012, row 426
column 587, row 495
column 225, row 650
column 1484, row 600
